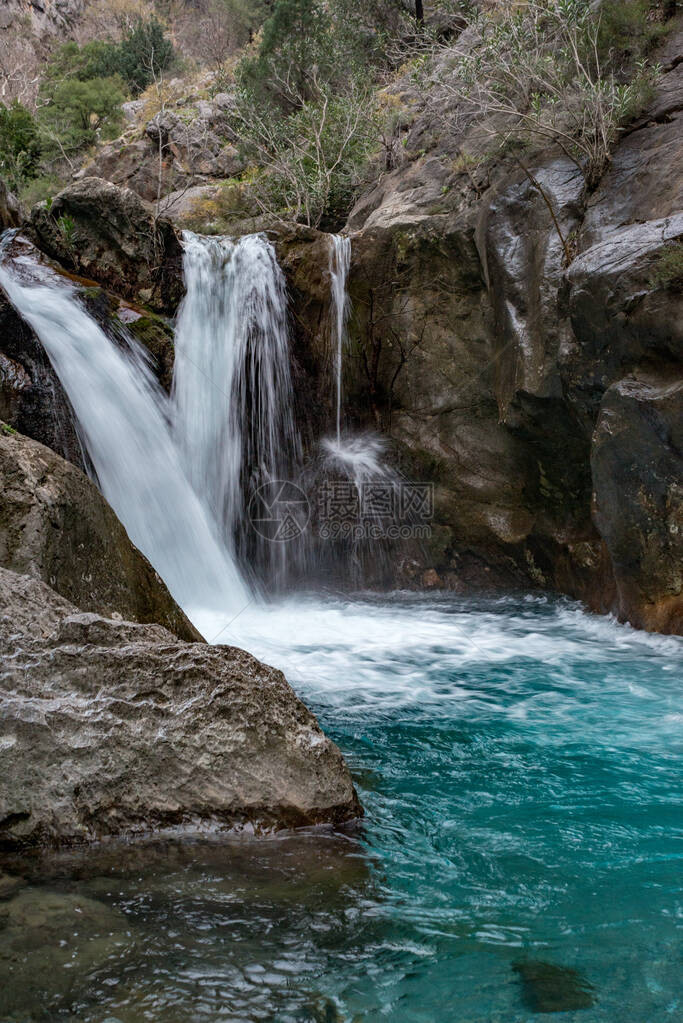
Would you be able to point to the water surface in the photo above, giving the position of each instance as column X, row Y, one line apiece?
column 519, row 762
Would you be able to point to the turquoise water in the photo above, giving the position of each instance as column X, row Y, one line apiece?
column 520, row 766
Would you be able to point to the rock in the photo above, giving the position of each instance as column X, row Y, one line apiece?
column 108, row 234
column 550, row 988
column 486, row 357
column 114, row 728
column 32, row 399
column 8, row 885
column 56, row 526
column 132, row 109
column 11, row 214
column 430, row 579
column 637, row 462
column 44, row 935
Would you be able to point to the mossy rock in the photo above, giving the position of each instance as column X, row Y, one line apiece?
column 156, row 336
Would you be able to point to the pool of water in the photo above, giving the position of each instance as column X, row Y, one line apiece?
column 520, row 765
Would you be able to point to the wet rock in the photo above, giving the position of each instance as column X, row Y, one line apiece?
column 11, row 214
column 108, row 234
column 56, row 526
column 114, row 728
column 550, row 988
column 637, row 462
column 9, row 885
column 32, row 399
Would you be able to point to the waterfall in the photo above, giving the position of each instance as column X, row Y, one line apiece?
column 232, row 388
column 123, row 417
column 340, row 262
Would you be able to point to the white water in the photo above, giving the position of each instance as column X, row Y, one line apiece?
column 123, row 417
column 340, row 262
column 232, row 388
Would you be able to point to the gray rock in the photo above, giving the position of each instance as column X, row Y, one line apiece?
column 115, row 728
column 114, row 239
column 637, row 463
column 132, row 109
column 56, row 526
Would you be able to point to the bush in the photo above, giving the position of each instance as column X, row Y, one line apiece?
column 537, row 74
column 19, row 144
column 312, row 160
column 668, row 270
column 78, row 111
column 143, row 54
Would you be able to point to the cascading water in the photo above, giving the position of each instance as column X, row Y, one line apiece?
column 123, row 417
column 340, row 263
column 232, row 388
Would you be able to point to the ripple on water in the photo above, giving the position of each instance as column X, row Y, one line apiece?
column 519, row 762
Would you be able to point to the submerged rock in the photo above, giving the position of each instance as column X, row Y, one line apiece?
column 114, row 728
column 550, row 988
column 44, row 934
column 56, row 526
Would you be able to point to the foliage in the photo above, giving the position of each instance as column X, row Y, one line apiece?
column 305, row 111
column 537, row 73
column 297, row 42
column 143, row 54
column 312, row 159
column 78, row 111
column 40, row 188
column 668, row 270
column 19, row 144
column 626, row 29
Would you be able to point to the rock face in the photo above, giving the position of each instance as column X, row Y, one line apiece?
column 56, row 526
column 108, row 234
column 637, row 463
column 173, row 151
column 501, row 372
column 32, row 400
column 10, row 210
column 114, row 728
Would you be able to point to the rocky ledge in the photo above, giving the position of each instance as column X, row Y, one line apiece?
column 112, row 728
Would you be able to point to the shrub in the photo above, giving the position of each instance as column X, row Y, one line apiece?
column 78, row 111
column 668, row 269
column 141, row 56
column 537, row 73
column 19, row 144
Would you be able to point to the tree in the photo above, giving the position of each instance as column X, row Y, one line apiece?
column 298, row 42
column 143, row 53
column 78, row 111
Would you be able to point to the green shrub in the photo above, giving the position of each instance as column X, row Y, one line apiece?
column 143, row 54
column 668, row 269
column 78, row 111
column 19, row 144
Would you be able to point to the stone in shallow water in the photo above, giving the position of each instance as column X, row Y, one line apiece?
column 550, row 988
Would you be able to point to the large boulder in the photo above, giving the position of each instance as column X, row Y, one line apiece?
column 56, row 526
column 113, row 728
column 110, row 235
column 637, row 462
